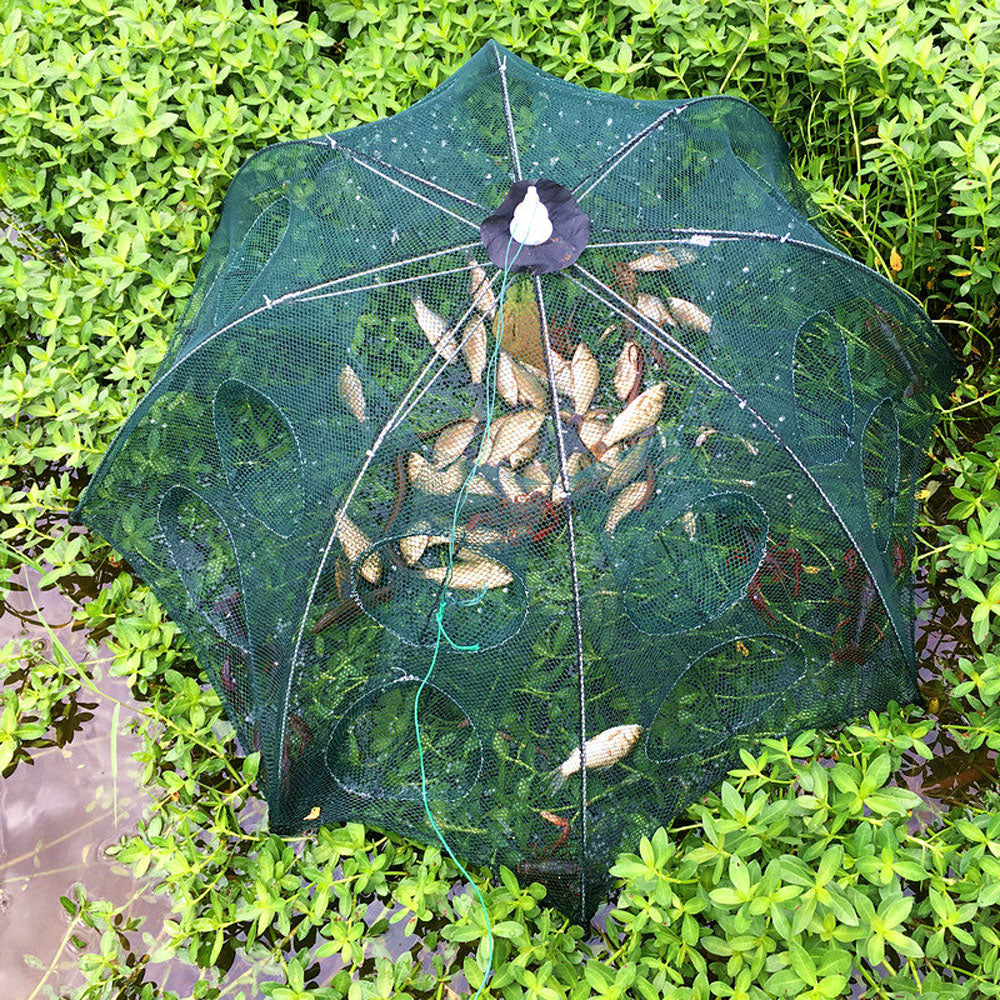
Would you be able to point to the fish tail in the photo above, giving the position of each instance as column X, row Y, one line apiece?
column 556, row 779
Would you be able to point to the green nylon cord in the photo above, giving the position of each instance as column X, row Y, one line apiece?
column 490, row 392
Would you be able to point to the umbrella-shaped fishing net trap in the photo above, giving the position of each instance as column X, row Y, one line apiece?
column 563, row 392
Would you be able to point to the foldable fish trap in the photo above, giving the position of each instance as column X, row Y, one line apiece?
column 659, row 500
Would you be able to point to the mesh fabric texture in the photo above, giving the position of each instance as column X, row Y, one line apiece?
column 699, row 523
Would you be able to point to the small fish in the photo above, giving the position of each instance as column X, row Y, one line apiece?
column 511, row 431
column 441, row 482
column 603, row 750
column 585, row 374
column 654, row 309
column 525, row 452
column 641, row 413
column 628, row 371
column 688, row 314
column 474, row 348
column 591, row 431
column 355, row 541
column 704, row 433
column 437, row 331
column 506, row 382
column 480, row 290
column 661, row 259
column 631, row 499
column 537, row 475
column 427, row 479
column 452, row 441
column 530, row 389
column 351, row 392
column 312, row 814
column 630, row 465
column 625, row 280
column 749, row 445
column 414, row 545
column 562, row 373
column 468, row 575
column 485, row 536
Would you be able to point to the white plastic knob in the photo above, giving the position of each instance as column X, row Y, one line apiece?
column 531, row 224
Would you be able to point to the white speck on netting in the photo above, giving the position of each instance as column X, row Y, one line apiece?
column 746, row 270
column 610, row 120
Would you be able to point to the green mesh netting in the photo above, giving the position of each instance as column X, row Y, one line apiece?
column 693, row 517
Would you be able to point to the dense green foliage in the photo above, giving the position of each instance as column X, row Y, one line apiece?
column 122, row 126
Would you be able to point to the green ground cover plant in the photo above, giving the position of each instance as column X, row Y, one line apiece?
column 813, row 867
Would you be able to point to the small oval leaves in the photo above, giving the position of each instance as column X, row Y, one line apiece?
column 372, row 751
column 880, row 470
column 260, row 456
column 202, row 550
column 689, row 571
column 486, row 602
column 248, row 260
column 729, row 690
column 821, row 379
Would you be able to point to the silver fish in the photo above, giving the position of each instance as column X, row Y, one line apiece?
column 537, row 476
column 524, row 452
column 351, row 392
column 355, row 541
column 414, row 545
column 641, row 413
column 437, row 331
column 591, row 431
column 468, row 575
column 585, row 373
column 661, row 259
column 630, row 465
column 506, row 382
column 603, row 750
column 688, row 314
column 704, row 433
column 511, row 431
column 485, row 536
column 562, row 374
column 529, row 389
column 474, row 348
column 480, row 290
column 427, row 479
column 442, row 482
column 630, row 499
column 628, row 370
column 654, row 309
column 452, row 441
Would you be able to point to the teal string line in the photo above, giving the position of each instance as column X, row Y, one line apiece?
column 490, row 391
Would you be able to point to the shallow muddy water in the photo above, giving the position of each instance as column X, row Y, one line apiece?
column 59, row 812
